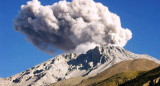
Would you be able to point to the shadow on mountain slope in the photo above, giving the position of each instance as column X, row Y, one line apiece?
column 128, row 67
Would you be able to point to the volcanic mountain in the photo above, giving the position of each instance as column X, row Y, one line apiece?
column 128, row 67
column 71, row 65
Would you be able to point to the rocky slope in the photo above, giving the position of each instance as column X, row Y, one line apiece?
column 66, row 66
column 140, row 64
column 5, row 82
column 133, row 78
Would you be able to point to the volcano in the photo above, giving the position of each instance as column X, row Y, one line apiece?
column 66, row 66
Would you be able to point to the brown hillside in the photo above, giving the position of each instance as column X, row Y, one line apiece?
column 69, row 82
column 149, row 78
column 124, row 66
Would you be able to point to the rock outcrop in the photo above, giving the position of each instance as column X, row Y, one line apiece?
column 66, row 66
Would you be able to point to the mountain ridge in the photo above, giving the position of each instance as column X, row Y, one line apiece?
column 140, row 64
column 66, row 66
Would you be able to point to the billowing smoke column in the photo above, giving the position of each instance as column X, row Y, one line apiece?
column 78, row 26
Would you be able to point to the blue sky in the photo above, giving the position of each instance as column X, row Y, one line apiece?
column 142, row 17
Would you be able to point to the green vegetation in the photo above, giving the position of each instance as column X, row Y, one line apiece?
column 124, row 66
column 118, row 79
column 123, row 74
column 144, row 78
column 133, row 78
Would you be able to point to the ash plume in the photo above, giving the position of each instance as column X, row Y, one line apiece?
column 77, row 26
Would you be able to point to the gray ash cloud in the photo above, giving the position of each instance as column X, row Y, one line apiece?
column 77, row 26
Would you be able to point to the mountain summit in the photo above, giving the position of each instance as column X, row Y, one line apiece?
column 66, row 66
